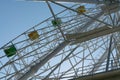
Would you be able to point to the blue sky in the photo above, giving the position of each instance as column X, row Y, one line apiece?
column 18, row 16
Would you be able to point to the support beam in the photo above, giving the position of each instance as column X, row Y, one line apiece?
column 100, row 61
column 109, row 9
column 110, row 75
column 76, row 1
column 38, row 65
column 59, row 28
column 118, row 48
column 85, row 36
column 89, row 22
column 82, row 13
column 109, row 52
column 60, row 63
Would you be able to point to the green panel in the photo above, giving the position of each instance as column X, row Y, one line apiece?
column 10, row 51
column 56, row 22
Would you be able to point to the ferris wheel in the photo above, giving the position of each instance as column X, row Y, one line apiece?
column 82, row 39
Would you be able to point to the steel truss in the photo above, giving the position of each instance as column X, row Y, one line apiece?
column 82, row 44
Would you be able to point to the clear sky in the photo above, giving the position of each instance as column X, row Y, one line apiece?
column 18, row 16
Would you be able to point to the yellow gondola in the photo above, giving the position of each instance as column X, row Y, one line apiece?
column 81, row 9
column 33, row 35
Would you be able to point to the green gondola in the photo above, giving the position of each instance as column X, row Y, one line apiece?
column 56, row 22
column 10, row 51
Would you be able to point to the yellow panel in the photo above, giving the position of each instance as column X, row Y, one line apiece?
column 33, row 35
column 81, row 9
